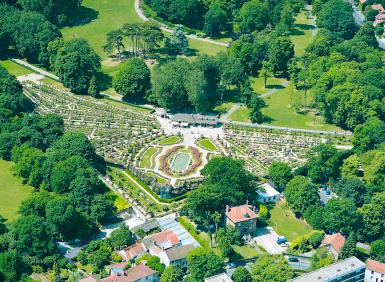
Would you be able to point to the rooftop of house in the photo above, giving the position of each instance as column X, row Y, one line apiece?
column 165, row 236
column 135, row 250
column 378, row 7
column 195, row 119
column 89, row 279
column 375, row 266
column 336, row 240
column 179, row 252
column 269, row 191
column 241, row 213
column 334, row 270
column 139, row 271
column 223, row 277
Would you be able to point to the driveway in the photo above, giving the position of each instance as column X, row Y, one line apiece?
column 267, row 237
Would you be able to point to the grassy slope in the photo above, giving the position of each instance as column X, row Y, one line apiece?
column 14, row 68
column 301, row 35
column 12, row 191
column 285, row 223
column 145, row 161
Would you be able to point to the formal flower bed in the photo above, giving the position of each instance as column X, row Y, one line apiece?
column 167, row 158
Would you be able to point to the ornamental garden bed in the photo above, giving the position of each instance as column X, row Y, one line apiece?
column 180, row 161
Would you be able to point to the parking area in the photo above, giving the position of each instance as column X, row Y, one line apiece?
column 267, row 238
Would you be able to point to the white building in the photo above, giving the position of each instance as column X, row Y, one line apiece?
column 375, row 271
column 268, row 195
column 219, row 278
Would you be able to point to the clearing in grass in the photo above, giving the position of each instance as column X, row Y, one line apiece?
column 14, row 68
column 12, row 191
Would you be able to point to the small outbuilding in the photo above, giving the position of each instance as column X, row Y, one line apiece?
column 267, row 194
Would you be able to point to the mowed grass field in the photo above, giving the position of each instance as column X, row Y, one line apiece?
column 284, row 222
column 14, row 68
column 12, row 191
column 301, row 34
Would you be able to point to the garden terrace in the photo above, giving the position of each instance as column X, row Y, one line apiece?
column 260, row 147
column 116, row 133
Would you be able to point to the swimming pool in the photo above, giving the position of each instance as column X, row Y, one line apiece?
column 180, row 162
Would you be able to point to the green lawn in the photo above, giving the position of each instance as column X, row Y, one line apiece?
column 301, row 34
column 207, row 144
column 280, row 113
column 14, row 68
column 245, row 252
column 12, row 191
column 159, row 178
column 111, row 14
column 241, row 114
column 258, row 84
column 224, row 107
column 119, row 202
column 285, row 223
column 146, row 160
column 170, row 140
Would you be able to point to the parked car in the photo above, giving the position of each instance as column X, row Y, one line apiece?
column 292, row 259
column 281, row 239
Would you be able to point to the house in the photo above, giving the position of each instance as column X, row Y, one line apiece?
column 243, row 218
column 269, row 194
column 223, row 277
column 375, row 271
column 380, row 18
column 186, row 120
column 133, row 252
column 176, row 256
column 379, row 8
column 138, row 273
column 161, row 241
column 348, row 270
column 333, row 243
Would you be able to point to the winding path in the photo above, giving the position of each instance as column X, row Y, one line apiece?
column 163, row 27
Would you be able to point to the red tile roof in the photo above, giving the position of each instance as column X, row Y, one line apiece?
column 138, row 272
column 362, row 1
column 241, row 213
column 336, row 240
column 376, row 266
column 378, row 7
column 114, row 278
column 164, row 236
column 134, row 250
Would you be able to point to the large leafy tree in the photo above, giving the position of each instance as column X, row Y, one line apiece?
column 176, row 43
column 300, row 194
column 133, row 80
column 121, row 237
column 271, row 268
column 215, row 20
column 368, row 135
column 256, row 105
column 341, row 215
column 377, row 250
column 280, row 173
column 253, row 16
column 281, row 50
column 172, row 274
column 337, row 16
column 76, row 64
column 203, row 263
column 241, row 274
column 11, row 266
column 351, row 188
column 374, row 216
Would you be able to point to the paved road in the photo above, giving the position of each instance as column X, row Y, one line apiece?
column 163, row 27
column 358, row 16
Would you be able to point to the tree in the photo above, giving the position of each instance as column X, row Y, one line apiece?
column 3, row 227
column 253, row 16
column 337, row 16
column 351, row 188
column 35, row 205
column 11, row 266
column 241, row 274
column 102, row 208
column 341, row 215
column 30, row 236
column 300, row 194
column 93, row 89
column 368, row 135
column 215, row 20
column 224, row 243
column 114, row 42
column 266, row 71
column 169, row 85
column 287, row 15
column 133, row 81
column 280, row 52
column 121, row 237
column 321, row 258
column 280, row 173
column 172, row 274
column 204, row 263
column 256, row 104
column 349, row 247
column 176, row 43
column 366, row 34
column 271, row 268
column 76, row 64
column 377, row 250
column 373, row 215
